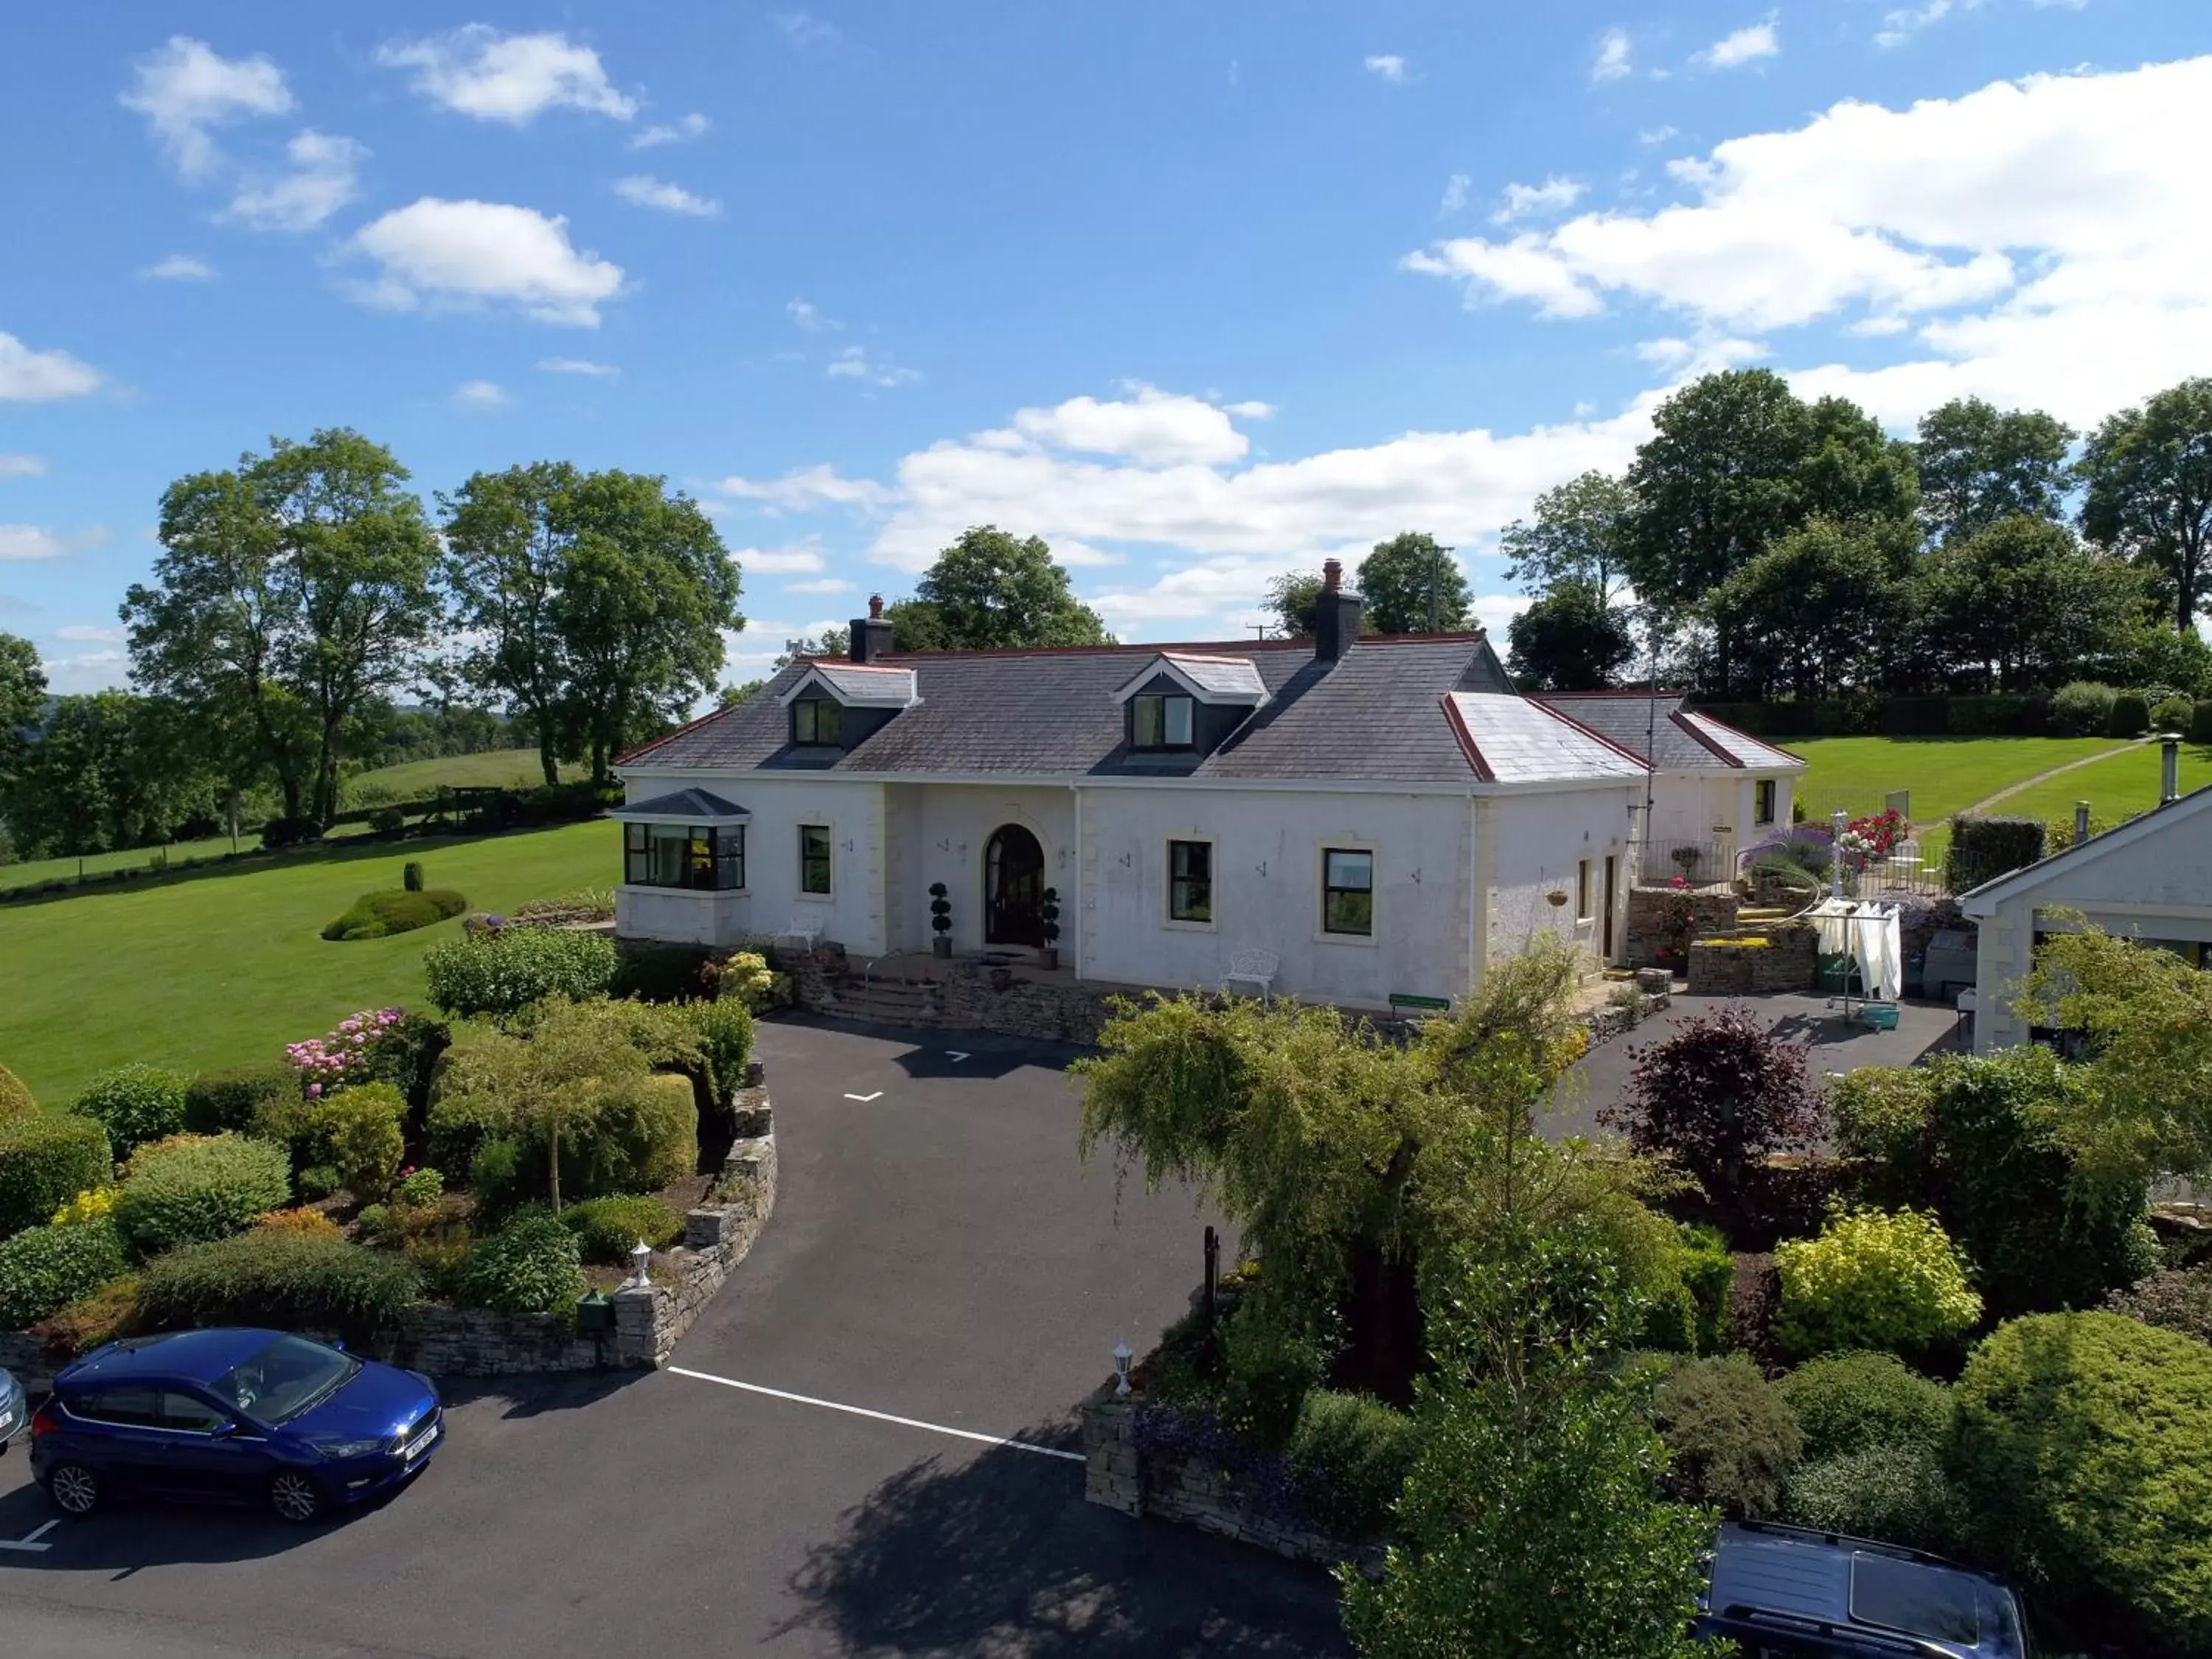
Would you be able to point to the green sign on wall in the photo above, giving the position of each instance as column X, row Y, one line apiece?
column 1407, row 999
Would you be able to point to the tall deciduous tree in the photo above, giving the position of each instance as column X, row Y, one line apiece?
column 990, row 591
column 1979, row 464
column 2023, row 603
column 1411, row 586
column 1294, row 600
column 108, row 771
column 2149, row 478
column 1579, row 533
column 1569, row 639
column 22, row 695
column 294, row 591
column 1812, row 613
column 647, row 593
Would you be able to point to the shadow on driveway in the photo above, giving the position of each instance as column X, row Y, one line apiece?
column 1001, row 1554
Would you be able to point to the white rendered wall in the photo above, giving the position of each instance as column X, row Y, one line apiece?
column 1538, row 842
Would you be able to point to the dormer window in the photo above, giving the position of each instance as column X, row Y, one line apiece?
column 817, row 720
column 1162, row 722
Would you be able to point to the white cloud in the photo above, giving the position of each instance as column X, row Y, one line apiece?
column 1747, row 45
column 1554, row 195
column 802, row 31
column 28, row 541
column 1615, row 59
column 480, row 395
column 809, row 316
column 1708, row 354
column 38, row 377
column 1658, row 135
column 1455, row 193
column 460, row 254
column 577, row 366
column 801, row 559
column 640, row 190
column 22, row 467
column 806, row 490
column 475, row 70
column 1251, row 410
column 1386, row 66
column 184, row 88
column 91, row 634
column 95, row 671
column 1151, row 427
column 324, row 176
column 682, row 131
column 180, row 268
column 853, row 363
column 821, row 584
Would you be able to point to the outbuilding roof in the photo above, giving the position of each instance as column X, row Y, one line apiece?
column 1516, row 739
column 1657, row 727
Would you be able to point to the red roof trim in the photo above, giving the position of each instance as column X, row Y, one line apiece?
column 1231, row 648
column 1467, row 743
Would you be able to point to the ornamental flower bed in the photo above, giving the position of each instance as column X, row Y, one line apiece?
column 1873, row 838
column 347, row 1055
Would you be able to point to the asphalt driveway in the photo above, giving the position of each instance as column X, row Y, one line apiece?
column 822, row 1471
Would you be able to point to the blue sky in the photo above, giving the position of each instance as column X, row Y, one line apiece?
column 1197, row 292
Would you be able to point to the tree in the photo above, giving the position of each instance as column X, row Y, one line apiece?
column 836, row 642
column 916, row 625
column 295, row 589
column 2024, row 603
column 510, row 537
column 22, row 696
column 731, row 696
column 1294, row 600
column 1569, row 639
column 1411, row 586
column 1854, row 472
column 2149, row 478
column 110, row 771
column 1716, row 1093
column 1580, row 534
column 991, row 591
column 1979, row 464
column 647, row 592
column 1811, row 615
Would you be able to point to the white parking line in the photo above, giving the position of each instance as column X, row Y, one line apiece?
column 31, row 1540
column 864, row 1099
column 880, row 1417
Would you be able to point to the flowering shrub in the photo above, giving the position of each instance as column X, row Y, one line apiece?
column 347, row 1055
column 93, row 1204
column 1873, row 837
column 1872, row 1280
column 746, row 976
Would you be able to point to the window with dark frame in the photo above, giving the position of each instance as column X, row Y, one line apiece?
column 1762, row 801
column 702, row 858
column 1161, row 722
column 814, row 858
column 818, row 720
column 1347, row 891
column 1190, row 881
column 1581, row 889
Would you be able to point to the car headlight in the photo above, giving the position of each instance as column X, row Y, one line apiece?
column 348, row 1447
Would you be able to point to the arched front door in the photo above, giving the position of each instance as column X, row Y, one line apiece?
column 1013, row 888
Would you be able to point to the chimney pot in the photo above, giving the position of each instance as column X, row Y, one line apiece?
column 1332, row 575
column 2081, row 821
column 875, row 607
column 2169, row 768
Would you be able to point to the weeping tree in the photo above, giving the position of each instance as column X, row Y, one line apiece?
column 1356, row 1169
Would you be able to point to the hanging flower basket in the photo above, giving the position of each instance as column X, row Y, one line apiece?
column 1556, row 897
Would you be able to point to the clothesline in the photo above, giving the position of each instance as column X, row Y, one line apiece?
column 1866, row 932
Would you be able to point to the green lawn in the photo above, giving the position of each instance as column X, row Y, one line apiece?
column 2126, row 783
column 1944, row 773
column 224, row 966
column 140, row 857
column 497, row 769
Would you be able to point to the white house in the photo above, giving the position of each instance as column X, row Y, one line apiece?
column 1381, row 815
column 2151, row 879
column 1715, row 792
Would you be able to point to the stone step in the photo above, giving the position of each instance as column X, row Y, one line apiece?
column 893, row 1002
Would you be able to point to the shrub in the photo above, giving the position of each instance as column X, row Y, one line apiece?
column 45, row 1161
column 15, row 1100
column 2083, row 709
column 2173, row 714
column 377, row 1226
column 198, row 1194
column 155, row 1150
column 496, row 1173
column 1685, row 1291
column 608, row 1229
column 1880, row 1115
column 1899, row 1494
column 1982, row 849
column 273, row 1277
column 459, row 1123
column 363, row 1125
column 1732, row 1436
column 238, row 1098
column 1872, row 1280
column 318, row 1182
column 137, row 1102
column 745, row 976
column 405, row 1054
column 1859, row 1401
column 634, row 1135
column 93, row 1204
column 2130, row 715
column 2084, row 1449
column 91, row 1321
column 388, row 820
column 530, row 1267
column 313, row 1223
column 1717, row 1091
column 44, row 1269
column 2200, row 723
column 421, row 1187
column 279, row 832
column 410, row 876
column 1348, row 1456
column 2180, row 1300
column 725, row 1028
column 375, row 915
column 501, row 973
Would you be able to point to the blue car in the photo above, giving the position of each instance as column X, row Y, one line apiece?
column 234, row 1416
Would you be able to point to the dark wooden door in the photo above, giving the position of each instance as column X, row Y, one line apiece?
column 1013, row 888
column 1608, row 908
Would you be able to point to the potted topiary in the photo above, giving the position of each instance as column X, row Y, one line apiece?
column 1049, row 911
column 941, row 919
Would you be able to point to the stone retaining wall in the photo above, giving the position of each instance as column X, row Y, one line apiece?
column 1713, row 910
column 1788, row 961
column 1051, row 1010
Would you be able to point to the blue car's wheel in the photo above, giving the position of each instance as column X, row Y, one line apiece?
column 294, row 1497
column 74, row 1488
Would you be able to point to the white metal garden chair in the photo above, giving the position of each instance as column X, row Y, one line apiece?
column 1254, row 968
column 799, row 928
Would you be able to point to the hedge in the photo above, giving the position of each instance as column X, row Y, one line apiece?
column 2084, row 1448
column 500, row 972
column 634, row 1136
column 273, row 1277
column 1999, row 713
column 1897, row 1493
column 2200, row 724
column 239, row 1098
column 14, row 1099
column 1982, row 849
column 202, row 1192
column 1348, row 1459
column 46, row 1160
column 44, row 1269
column 395, row 910
column 137, row 1103
column 1862, row 1402
column 608, row 1229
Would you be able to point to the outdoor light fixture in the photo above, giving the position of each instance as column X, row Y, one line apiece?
column 1121, row 1358
column 641, row 1253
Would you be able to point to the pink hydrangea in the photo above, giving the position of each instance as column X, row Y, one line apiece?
column 344, row 1055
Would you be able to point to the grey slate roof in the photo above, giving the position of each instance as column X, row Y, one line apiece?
column 867, row 683
column 692, row 805
column 1378, row 716
column 1517, row 740
column 1661, row 731
column 1223, row 677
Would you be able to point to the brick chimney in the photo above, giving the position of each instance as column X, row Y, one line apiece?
column 872, row 634
column 1336, row 615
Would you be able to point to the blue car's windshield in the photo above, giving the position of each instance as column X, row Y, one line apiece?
column 286, row 1377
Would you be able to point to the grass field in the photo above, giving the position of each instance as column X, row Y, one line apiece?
column 139, row 858
column 2126, row 783
column 495, row 768
column 1944, row 773
column 223, row 966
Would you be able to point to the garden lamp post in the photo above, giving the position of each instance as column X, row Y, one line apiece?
column 1122, row 1358
column 640, row 1254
